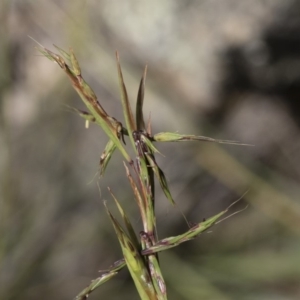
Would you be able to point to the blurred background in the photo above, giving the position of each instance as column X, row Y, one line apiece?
column 226, row 69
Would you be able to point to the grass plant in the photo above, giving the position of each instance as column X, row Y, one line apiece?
column 140, row 252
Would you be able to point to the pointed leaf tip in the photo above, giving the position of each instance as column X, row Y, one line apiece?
column 129, row 120
column 176, row 137
column 140, row 102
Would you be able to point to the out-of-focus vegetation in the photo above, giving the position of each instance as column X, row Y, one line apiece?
column 227, row 69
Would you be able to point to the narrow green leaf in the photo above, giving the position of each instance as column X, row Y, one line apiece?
column 149, row 144
column 107, row 275
column 174, row 241
column 83, row 295
column 192, row 233
column 160, row 176
column 176, row 137
column 129, row 120
column 127, row 222
column 140, row 123
column 135, row 263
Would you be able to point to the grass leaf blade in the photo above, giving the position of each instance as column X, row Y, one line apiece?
column 176, row 137
column 129, row 120
column 140, row 123
column 127, row 222
column 161, row 177
column 135, row 262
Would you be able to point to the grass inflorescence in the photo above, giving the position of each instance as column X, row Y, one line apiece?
column 140, row 252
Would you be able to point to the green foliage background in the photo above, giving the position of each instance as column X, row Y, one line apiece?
column 213, row 69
